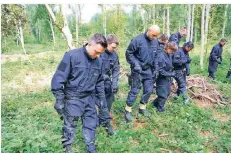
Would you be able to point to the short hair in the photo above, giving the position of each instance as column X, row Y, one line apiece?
column 99, row 39
column 112, row 39
column 189, row 44
column 182, row 28
column 223, row 40
column 163, row 37
column 171, row 45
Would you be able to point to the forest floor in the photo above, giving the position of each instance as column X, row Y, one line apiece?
column 30, row 123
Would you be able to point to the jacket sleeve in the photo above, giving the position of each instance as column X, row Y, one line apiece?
column 100, row 87
column 214, row 54
column 132, row 48
column 188, row 68
column 60, row 77
column 115, row 73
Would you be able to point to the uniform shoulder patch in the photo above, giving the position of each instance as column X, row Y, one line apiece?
column 62, row 66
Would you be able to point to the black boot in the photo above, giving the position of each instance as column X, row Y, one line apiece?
column 128, row 116
column 109, row 129
column 68, row 149
column 144, row 112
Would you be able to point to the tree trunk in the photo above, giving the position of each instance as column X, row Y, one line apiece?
column 76, row 25
column 64, row 29
column 154, row 14
column 80, row 11
column 191, row 37
column 202, row 37
column 53, row 33
column 207, row 22
column 21, row 36
column 164, row 21
column 189, row 23
column 143, row 19
column 168, row 22
column 225, row 20
column 17, row 36
column 104, row 19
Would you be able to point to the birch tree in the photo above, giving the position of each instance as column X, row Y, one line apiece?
column 164, row 20
column 192, row 24
column 61, row 24
column 202, row 37
column 168, row 22
column 225, row 20
column 103, row 7
column 207, row 22
column 189, row 23
column 52, row 31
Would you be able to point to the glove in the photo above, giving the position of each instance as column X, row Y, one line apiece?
column 101, row 105
column 188, row 60
column 137, row 68
column 219, row 60
column 115, row 90
column 59, row 107
column 155, row 75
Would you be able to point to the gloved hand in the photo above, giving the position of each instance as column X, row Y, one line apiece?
column 115, row 90
column 59, row 107
column 188, row 60
column 137, row 68
column 155, row 75
column 101, row 105
column 219, row 60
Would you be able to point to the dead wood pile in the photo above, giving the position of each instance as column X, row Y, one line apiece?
column 199, row 88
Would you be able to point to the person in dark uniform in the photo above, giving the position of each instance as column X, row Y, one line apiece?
column 140, row 55
column 75, row 84
column 178, row 35
column 163, row 82
column 181, row 61
column 162, row 40
column 215, row 57
column 111, row 71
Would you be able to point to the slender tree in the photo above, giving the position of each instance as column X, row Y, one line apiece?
column 202, row 37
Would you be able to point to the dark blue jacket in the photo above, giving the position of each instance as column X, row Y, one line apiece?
column 216, row 53
column 175, row 38
column 78, row 75
column 160, row 49
column 165, row 65
column 111, row 66
column 181, row 60
column 141, row 51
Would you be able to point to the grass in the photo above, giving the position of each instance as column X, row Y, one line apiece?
column 30, row 123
